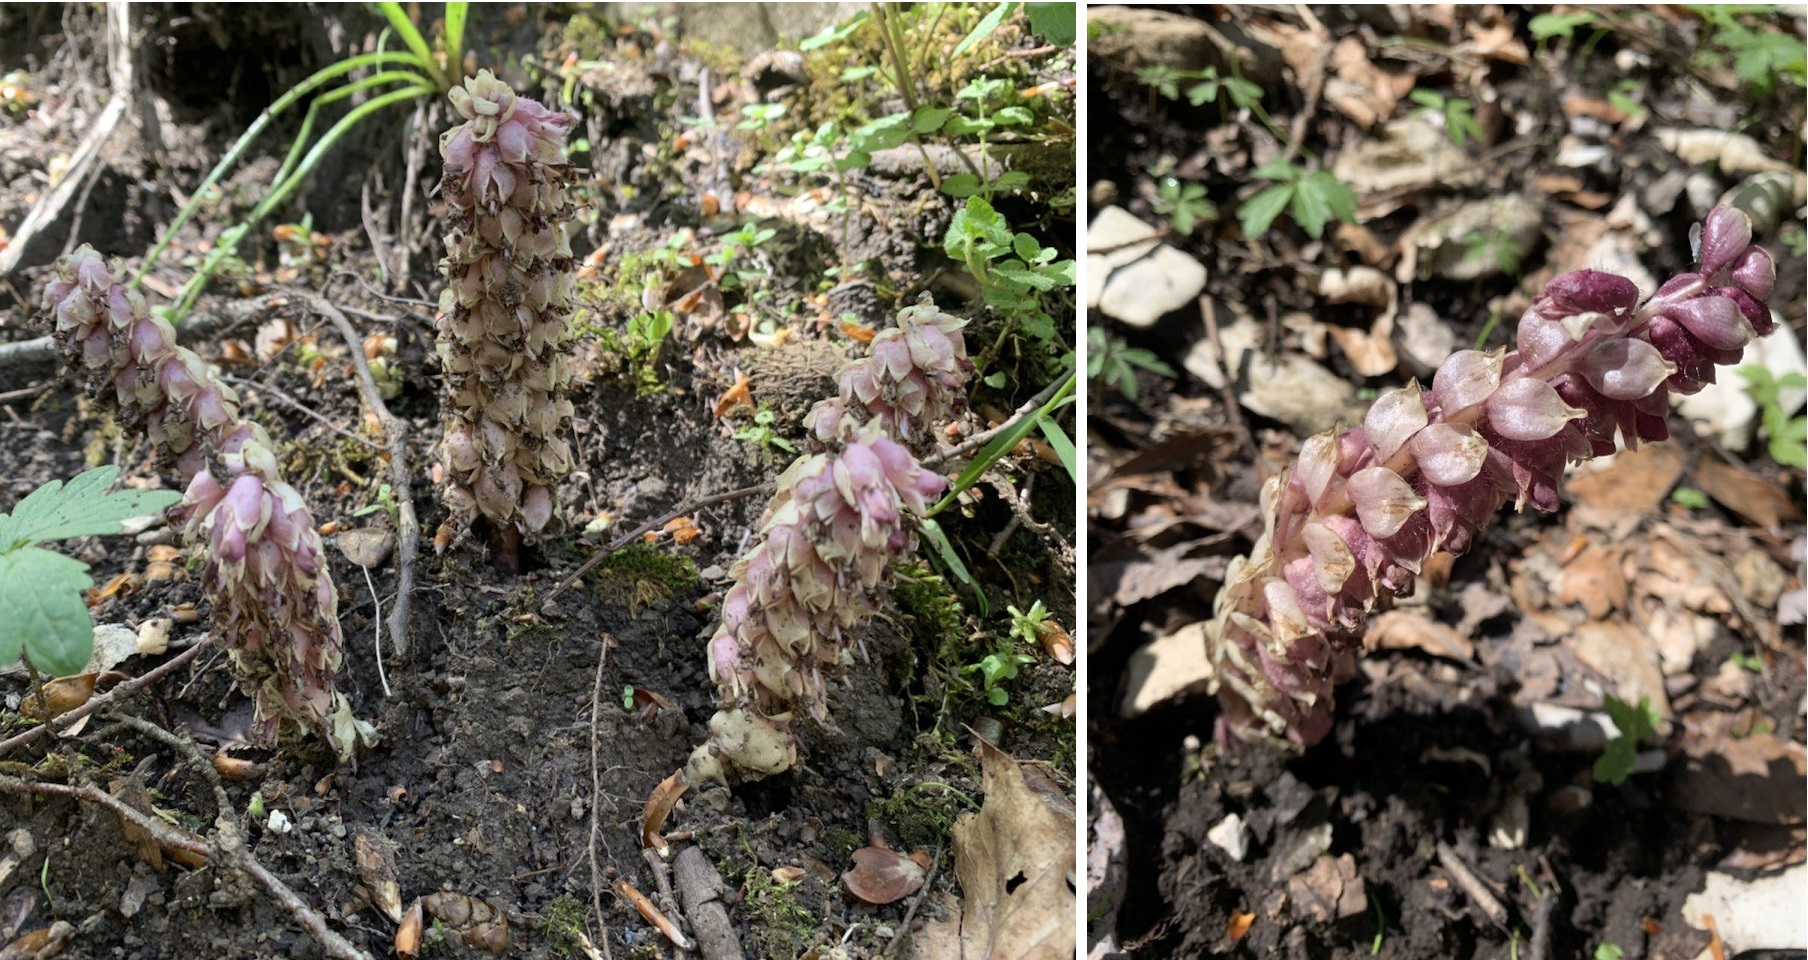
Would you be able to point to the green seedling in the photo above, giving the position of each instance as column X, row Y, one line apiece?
column 761, row 432
column 1636, row 723
column 1458, row 114
column 1183, row 204
column 1312, row 198
column 1112, row 362
column 1788, row 436
column 42, row 613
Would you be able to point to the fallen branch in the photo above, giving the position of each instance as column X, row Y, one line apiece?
column 227, row 839
column 637, row 532
column 978, row 440
column 596, row 788
column 50, row 206
column 700, row 887
column 118, row 694
column 1472, row 885
column 408, row 534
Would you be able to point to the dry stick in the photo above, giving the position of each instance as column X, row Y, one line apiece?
column 185, row 745
column 294, row 404
column 118, row 694
column 980, row 439
column 229, row 842
column 596, row 791
column 50, row 206
column 409, row 535
column 1472, row 885
column 910, row 914
column 634, row 534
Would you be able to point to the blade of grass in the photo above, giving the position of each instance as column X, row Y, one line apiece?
column 1064, row 446
column 251, row 133
column 456, row 15
column 405, row 28
column 937, row 538
column 333, row 96
column 994, row 451
column 192, row 291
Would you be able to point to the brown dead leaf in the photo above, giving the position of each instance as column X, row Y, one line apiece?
column 41, row 944
column 478, row 922
column 741, row 394
column 1400, row 630
column 367, row 547
column 1370, row 351
column 124, row 584
column 165, row 562
column 650, row 913
column 378, row 875
column 1494, row 41
column 1328, row 890
column 1056, row 642
column 881, row 875
column 1635, row 480
column 788, row 874
column 858, row 332
column 659, row 806
column 1015, row 861
column 1745, row 493
column 648, row 703
column 682, row 529
column 1627, row 658
column 1595, row 580
column 1239, row 926
column 59, row 696
column 1756, row 779
column 408, row 935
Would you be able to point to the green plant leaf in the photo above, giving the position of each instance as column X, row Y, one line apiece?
column 42, row 609
column 1053, row 22
column 930, row 119
column 1547, row 25
column 1319, row 197
column 1064, row 446
column 883, row 133
column 1013, row 116
column 1010, row 182
column 961, row 185
column 1257, row 213
column 932, row 531
column 984, row 28
column 833, row 33
column 82, row 507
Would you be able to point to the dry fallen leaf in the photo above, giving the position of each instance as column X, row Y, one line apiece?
column 1595, row 580
column 683, row 530
column 859, row 332
column 408, row 935
column 40, row 944
column 1016, row 864
column 1400, row 630
column 787, row 874
column 1745, row 493
column 741, row 394
column 378, row 876
column 1239, row 926
column 1056, row 642
column 648, row 703
column 659, row 806
column 58, row 697
column 1330, row 889
column 881, row 875
column 478, row 922
column 1635, row 480
column 650, row 913
column 367, row 547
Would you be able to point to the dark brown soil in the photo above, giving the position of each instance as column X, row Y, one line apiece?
column 482, row 781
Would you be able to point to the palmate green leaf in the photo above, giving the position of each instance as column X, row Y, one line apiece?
column 58, row 511
column 1319, row 197
column 1258, row 212
column 41, row 611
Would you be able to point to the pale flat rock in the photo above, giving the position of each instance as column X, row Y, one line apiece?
column 1410, row 153
column 1424, row 339
column 1217, row 363
column 1724, row 409
column 1133, row 37
column 1151, row 287
column 1470, row 240
column 1117, row 234
column 1761, row 914
column 1300, row 393
column 1166, row 668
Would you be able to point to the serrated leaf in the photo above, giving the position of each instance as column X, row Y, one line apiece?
column 1282, row 170
column 79, row 508
column 1258, row 212
column 1026, row 247
column 1318, row 198
column 41, row 611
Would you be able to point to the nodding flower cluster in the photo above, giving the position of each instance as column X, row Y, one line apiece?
column 504, row 315
column 1350, row 524
column 822, row 562
column 275, row 609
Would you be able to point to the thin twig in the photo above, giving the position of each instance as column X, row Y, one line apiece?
column 118, row 694
column 408, row 532
column 229, row 841
column 981, row 439
column 1472, row 885
column 377, row 627
column 596, row 790
column 291, row 402
column 635, row 534
column 910, row 914
column 184, row 743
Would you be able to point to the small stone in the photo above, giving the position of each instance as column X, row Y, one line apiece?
column 1152, row 287
column 1761, row 914
column 1166, row 668
column 1300, row 393
column 1424, row 338
column 1760, row 579
column 1232, row 836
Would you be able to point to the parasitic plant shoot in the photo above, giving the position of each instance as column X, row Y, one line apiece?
column 1350, row 524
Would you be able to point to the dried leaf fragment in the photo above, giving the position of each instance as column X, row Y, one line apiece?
column 651, row 914
column 659, row 806
column 881, row 875
column 478, row 922
column 378, row 876
column 58, row 696
column 408, row 934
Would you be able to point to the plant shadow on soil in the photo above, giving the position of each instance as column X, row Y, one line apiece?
column 483, row 777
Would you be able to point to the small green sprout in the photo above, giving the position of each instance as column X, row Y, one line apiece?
column 1635, row 723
